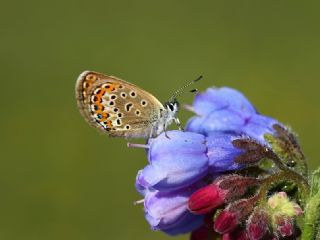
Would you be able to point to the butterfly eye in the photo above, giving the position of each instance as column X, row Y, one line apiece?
column 171, row 107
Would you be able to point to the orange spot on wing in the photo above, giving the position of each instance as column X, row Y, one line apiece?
column 109, row 123
column 98, row 100
column 101, row 93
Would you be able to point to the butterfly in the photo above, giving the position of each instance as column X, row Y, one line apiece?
column 122, row 109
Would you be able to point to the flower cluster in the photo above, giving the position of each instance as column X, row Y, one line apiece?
column 198, row 180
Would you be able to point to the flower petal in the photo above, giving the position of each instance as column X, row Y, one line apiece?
column 222, row 153
column 175, row 162
column 222, row 120
column 258, row 125
column 167, row 211
column 215, row 99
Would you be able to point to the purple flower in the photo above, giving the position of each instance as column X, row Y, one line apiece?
column 216, row 99
column 185, row 158
column 227, row 110
column 175, row 162
column 168, row 211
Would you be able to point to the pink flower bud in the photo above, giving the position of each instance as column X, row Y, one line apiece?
column 280, row 203
column 236, row 213
column 206, row 199
column 284, row 225
column 225, row 222
column 258, row 224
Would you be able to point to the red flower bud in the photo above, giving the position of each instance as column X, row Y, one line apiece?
column 223, row 190
column 284, row 225
column 237, row 212
column 206, row 199
column 225, row 222
column 258, row 224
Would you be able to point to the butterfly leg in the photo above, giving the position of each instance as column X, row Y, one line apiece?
column 177, row 121
column 165, row 131
column 151, row 133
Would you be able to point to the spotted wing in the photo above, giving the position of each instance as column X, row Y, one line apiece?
column 115, row 106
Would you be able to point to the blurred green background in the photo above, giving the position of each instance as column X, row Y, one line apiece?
column 61, row 179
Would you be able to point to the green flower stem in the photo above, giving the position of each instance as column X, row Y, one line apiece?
column 284, row 175
column 277, row 161
column 311, row 227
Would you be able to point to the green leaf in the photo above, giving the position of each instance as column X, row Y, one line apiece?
column 315, row 182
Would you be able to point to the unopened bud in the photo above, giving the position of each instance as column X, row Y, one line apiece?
column 206, row 199
column 258, row 224
column 233, row 215
column 284, row 225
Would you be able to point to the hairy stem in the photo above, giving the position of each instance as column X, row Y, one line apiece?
column 286, row 175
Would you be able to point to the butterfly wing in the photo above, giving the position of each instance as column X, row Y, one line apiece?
column 115, row 106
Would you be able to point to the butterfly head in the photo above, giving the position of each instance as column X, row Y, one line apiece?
column 172, row 107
